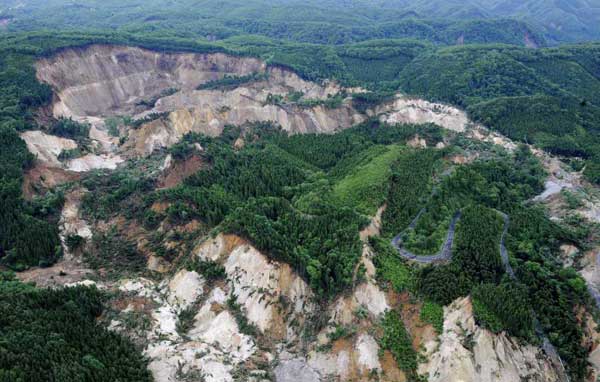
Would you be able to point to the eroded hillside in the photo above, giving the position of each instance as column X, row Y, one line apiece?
column 222, row 277
column 104, row 81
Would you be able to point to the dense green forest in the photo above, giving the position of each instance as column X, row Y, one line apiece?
column 546, row 97
column 308, row 21
column 53, row 335
column 324, row 22
column 28, row 235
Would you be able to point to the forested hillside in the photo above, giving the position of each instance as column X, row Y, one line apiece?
column 561, row 21
column 545, row 97
column 311, row 22
column 329, row 22
column 50, row 335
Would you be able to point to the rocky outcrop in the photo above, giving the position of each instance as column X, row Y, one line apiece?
column 211, row 349
column 467, row 353
column 272, row 298
column 93, row 161
column 558, row 179
column 48, row 147
column 184, row 289
column 71, row 222
column 210, row 343
column 260, row 285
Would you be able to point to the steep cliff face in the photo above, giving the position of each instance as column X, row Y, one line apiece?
column 213, row 343
column 209, row 111
column 102, row 80
column 467, row 353
column 273, row 300
column 279, row 305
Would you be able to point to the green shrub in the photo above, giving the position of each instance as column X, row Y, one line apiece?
column 68, row 128
column 390, row 268
column 397, row 340
column 209, row 269
column 433, row 314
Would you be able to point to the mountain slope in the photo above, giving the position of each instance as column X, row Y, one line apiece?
column 561, row 21
column 316, row 21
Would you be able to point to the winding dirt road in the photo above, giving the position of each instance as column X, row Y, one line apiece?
column 445, row 252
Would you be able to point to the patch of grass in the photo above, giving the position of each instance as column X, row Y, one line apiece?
column 331, row 102
column 210, row 270
column 68, row 154
column 230, row 82
column 341, row 332
column 366, row 186
column 420, row 243
column 137, row 123
column 185, row 319
column 274, row 99
column 572, row 200
column 112, row 124
column 136, row 323
column 115, row 254
column 486, row 317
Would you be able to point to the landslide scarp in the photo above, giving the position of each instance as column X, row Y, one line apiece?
column 137, row 100
column 101, row 80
